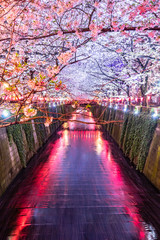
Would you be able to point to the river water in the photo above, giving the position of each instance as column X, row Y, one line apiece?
column 80, row 187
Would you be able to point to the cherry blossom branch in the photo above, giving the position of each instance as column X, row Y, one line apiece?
column 84, row 30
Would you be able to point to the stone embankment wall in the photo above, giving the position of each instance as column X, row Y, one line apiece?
column 18, row 143
column 138, row 136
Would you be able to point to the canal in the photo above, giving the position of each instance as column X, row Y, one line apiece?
column 80, row 187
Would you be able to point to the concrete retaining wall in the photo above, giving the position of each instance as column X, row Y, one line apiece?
column 10, row 162
column 152, row 166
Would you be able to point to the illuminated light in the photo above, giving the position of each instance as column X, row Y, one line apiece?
column 125, row 108
column 141, row 98
column 136, row 110
column 131, row 98
column 5, row 113
column 116, row 106
column 149, row 97
column 110, row 105
column 5, row 85
column 65, row 125
column 155, row 114
column 54, row 104
column 136, row 99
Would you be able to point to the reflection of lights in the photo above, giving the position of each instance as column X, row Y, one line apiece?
column 66, row 137
column 109, row 156
column 23, row 220
column 151, row 233
column 122, row 190
column 5, row 113
column 99, row 144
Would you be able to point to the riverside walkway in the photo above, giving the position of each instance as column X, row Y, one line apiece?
column 80, row 187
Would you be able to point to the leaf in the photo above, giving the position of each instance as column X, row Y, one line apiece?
column 88, row 106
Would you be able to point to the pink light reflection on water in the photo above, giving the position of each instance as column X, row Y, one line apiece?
column 122, row 198
column 82, row 115
column 40, row 184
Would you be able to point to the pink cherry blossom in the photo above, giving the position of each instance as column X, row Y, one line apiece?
column 65, row 57
column 119, row 50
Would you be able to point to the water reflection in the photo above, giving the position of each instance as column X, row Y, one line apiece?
column 84, row 116
column 77, row 191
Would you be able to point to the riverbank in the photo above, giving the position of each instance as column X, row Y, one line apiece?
column 138, row 135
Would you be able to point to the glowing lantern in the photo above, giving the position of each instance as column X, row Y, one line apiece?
column 5, row 113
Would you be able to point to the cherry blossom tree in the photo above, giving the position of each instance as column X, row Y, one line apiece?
column 129, row 65
column 40, row 38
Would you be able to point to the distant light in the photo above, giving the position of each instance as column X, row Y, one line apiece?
column 136, row 110
column 54, row 104
column 125, row 108
column 155, row 115
column 149, row 97
column 110, row 105
column 5, row 113
column 116, row 106
column 5, row 85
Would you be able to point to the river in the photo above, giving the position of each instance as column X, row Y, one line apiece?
column 80, row 187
